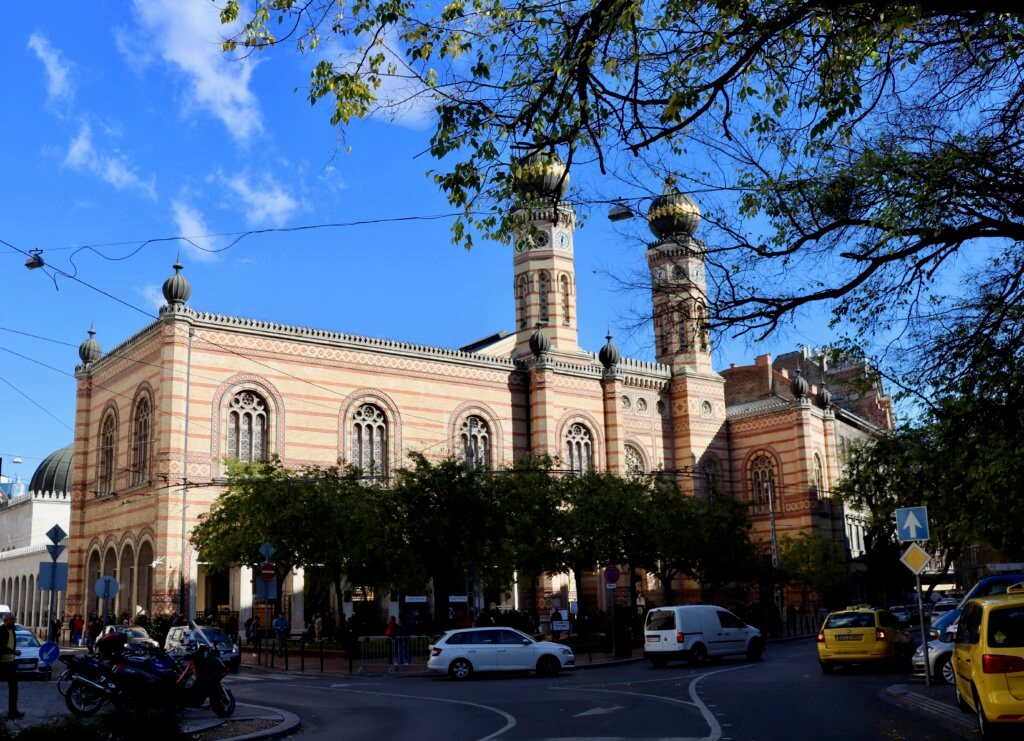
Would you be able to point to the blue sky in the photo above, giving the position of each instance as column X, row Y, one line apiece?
column 123, row 122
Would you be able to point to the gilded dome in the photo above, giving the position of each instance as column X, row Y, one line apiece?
column 177, row 288
column 542, row 174
column 673, row 214
column 53, row 476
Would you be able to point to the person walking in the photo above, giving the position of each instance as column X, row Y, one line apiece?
column 318, row 627
column 8, row 650
column 280, row 626
column 401, row 635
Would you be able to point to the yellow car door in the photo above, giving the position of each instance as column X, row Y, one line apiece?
column 967, row 652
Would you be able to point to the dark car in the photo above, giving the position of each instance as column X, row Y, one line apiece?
column 228, row 651
column 135, row 636
column 987, row 587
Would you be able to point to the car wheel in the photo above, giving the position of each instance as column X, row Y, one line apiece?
column 658, row 662
column 944, row 669
column 826, row 668
column 755, row 649
column 460, row 669
column 548, row 666
column 960, row 701
column 698, row 654
column 987, row 731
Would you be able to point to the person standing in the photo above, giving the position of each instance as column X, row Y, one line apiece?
column 318, row 627
column 8, row 650
column 280, row 626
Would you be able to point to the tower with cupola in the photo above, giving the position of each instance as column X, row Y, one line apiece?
column 543, row 265
column 682, row 341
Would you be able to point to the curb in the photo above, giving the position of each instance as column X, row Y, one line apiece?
column 902, row 695
column 290, row 723
column 614, row 662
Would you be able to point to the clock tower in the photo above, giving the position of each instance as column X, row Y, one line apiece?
column 543, row 264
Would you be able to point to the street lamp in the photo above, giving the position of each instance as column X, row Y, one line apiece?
column 776, row 587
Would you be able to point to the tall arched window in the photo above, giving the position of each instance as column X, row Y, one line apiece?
column 819, row 477
column 141, row 425
column 709, row 474
column 578, row 448
column 370, row 440
column 247, row 427
column 762, row 482
column 544, row 289
column 476, row 442
column 108, row 454
column 700, row 325
column 684, row 322
column 634, row 461
column 521, row 292
column 564, row 282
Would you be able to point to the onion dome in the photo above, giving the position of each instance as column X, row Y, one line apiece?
column 539, row 343
column 824, row 398
column 53, row 476
column 177, row 288
column 799, row 385
column 90, row 351
column 673, row 214
column 609, row 354
column 541, row 174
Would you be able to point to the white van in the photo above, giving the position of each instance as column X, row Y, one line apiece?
column 697, row 633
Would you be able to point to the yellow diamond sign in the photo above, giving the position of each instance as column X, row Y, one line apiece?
column 915, row 558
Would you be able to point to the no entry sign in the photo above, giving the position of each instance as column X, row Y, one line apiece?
column 267, row 571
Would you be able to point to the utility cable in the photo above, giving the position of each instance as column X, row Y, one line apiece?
column 36, row 403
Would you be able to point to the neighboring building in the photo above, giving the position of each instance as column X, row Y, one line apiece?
column 248, row 389
column 26, row 515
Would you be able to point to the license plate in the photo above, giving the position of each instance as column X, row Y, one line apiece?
column 653, row 639
column 848, row 638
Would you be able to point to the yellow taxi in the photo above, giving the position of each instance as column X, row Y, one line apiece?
column 988, row 660
column 858, row 634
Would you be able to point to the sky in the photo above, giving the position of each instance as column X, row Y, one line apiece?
column 123, row 122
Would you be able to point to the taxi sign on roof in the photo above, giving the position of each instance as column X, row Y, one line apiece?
column 915, row 558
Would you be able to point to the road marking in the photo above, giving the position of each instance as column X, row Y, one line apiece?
column 598, row 711
column 641, row 681
column 510, row 721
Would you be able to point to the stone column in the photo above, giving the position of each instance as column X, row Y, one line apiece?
column 611, row 387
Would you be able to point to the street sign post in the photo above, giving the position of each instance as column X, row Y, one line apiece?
column 916, row 558
column 106, row 589
column 912, row 524
column 612, row 574
column 53, row 576
column 49, row 652
column 266, row 584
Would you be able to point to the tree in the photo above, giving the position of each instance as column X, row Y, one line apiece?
column 675, row 540
column 817, row 563
column 724, row 551
column 845, row 152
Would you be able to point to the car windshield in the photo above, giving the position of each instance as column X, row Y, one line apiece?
column 25, row 640
column 1006, row 627
column 137, row 633
column 215, row 635
column 943, row 623
column 851, row 620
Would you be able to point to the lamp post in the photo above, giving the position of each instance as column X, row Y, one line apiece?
column 776, row 587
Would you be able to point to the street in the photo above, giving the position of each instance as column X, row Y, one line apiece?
column 785, row 696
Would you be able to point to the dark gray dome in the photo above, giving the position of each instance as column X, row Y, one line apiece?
column 799, row 385
column 824, row 397
column 90, row 351
column 609, row 354
column 177, row 288
column 539, row 343
column 54, row 474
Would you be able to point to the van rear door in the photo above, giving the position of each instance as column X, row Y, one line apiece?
column 660, row 630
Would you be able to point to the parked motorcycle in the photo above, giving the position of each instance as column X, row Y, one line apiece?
column 145, row 679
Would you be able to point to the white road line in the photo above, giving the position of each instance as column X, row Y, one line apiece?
column 510, row 721
column 641, row 681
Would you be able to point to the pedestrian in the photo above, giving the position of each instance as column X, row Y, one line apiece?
column 231, row 627
column 280, row 626
column 401, row 635
column 77, row 625
column 253, row 632
column 391, row 631
column 318, row 627
column 8, row 650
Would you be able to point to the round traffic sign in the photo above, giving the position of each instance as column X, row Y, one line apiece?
column 106, row 587
column 612, row 574
column 49, row 652
column 267, row 571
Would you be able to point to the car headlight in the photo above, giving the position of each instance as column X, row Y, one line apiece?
column 919, row 652
column 566, row 651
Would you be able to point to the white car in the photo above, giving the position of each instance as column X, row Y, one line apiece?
column 697, row 633
column 460, row 653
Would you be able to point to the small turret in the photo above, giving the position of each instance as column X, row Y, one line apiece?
column 609, row 354
column 89, row 351
column 177, row 288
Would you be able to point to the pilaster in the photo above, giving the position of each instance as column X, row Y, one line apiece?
column 611, row 389
column 542, row 420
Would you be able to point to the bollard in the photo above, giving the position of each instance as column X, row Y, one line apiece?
column 273, row 652
column 302, row 656
column 322, row 657
column 259, row 651
column 286, row 654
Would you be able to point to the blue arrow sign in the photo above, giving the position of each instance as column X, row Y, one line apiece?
column 49, row 652
column 912, row 523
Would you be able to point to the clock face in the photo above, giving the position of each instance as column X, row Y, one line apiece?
column 696, row 273
column 563, row 241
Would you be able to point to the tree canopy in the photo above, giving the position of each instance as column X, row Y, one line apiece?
column 845, row 152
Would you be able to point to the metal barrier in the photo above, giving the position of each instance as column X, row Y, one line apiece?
column 382, row 655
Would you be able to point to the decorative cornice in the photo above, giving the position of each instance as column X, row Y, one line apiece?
column 117, row 352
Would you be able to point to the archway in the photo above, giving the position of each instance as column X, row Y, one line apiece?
column 92, row 573
column 126, row 603
column 109, row 569
column 144, row 581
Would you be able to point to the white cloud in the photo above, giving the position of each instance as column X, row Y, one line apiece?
column 152, row 295
column 191, row 224
column 266, row 202
column 187, row 35
column 58, row 69
column 113, row 168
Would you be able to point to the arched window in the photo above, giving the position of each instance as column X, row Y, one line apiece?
column 634, row 461
column 564, row 281
column 819, row 477
column 370, row 440
column 684, row 322
column 544, row 289
column 141, row 425
column 476, row 442
column 700, row 325
column 762, row 482
column 247, row 427
column 578, row 448
column 521, row 286
column 709, row 475
column 108, row 454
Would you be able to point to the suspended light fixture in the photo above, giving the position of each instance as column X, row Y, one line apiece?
column 35, row 259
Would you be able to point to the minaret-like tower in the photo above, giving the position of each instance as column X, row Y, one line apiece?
column 544, row 267
column 679, row 296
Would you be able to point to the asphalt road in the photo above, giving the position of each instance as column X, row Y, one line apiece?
column 785, row 696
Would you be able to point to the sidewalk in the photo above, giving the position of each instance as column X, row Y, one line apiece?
column 937, row 701
column 41, row 703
